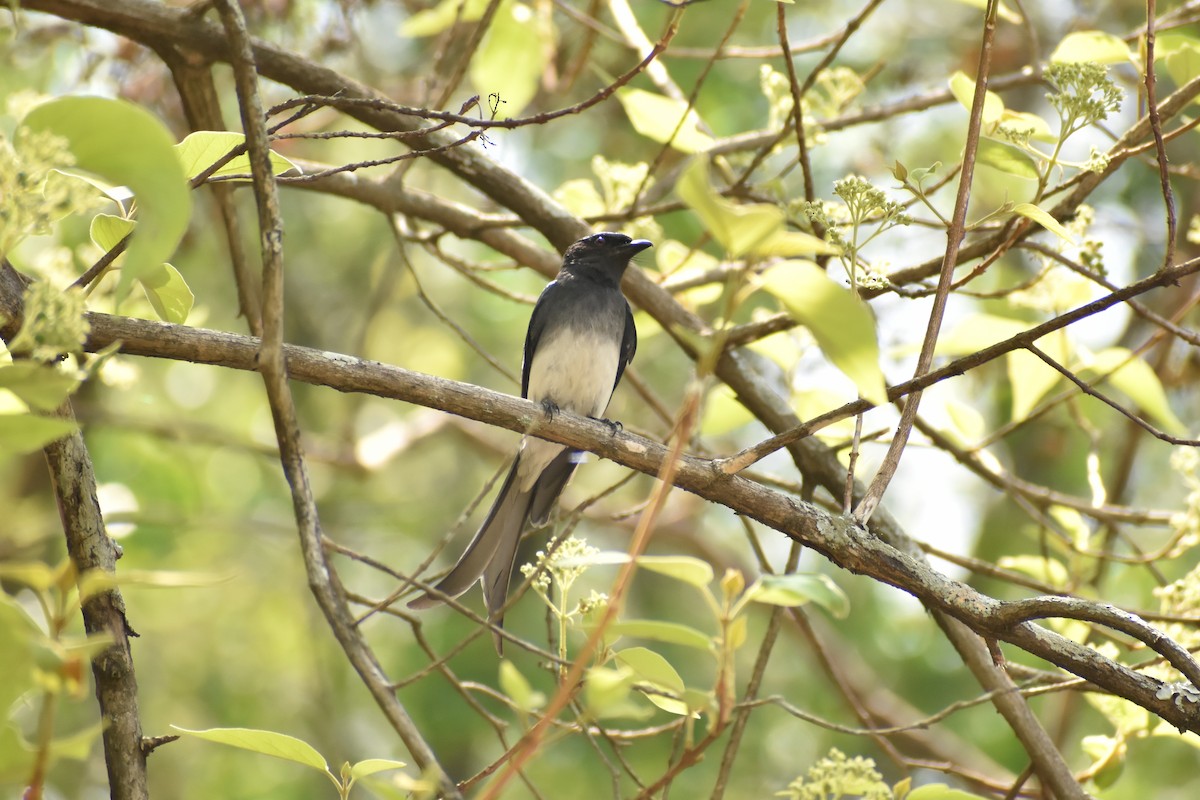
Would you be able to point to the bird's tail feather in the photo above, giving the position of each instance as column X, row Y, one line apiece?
column 550, row 485
column 491, row 552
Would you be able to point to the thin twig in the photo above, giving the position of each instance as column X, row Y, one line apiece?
column 954, row 236
column 323, row 580
column 1156, row 129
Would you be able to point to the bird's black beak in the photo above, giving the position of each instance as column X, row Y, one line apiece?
column 636, row 246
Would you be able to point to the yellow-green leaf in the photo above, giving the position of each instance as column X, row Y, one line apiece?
column 168, row 294
column 1004, row 158
column 1025, row 122
column 24, row 433
column 513, row 684
column 788, row 244
column 77, row 746
column 659, row 681
column 735, row 634
column 1043, row 218
column 753, row 228
column 722, row 412
column 977, row 332
column 40, row 386
column 841, row 323
column 608, row 693
column 370, row 766
column 963, row 89
column 19, row 638
column 437, row 19
column 1047, row 570
column 1030, row 377
column 270, row 743
column 940, row 791
column 796, row 589
column 107, row 231
column 1180, row 54
column 1002, row 10
column 125, row 144
column 200, row 150
column 1137, row 380
column 658, row 630
column 511, row 58
column 682, row 568
column 1098, row 46
column 656, row 117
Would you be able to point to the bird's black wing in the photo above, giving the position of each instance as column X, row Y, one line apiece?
column 537, row 324
column 628, row 345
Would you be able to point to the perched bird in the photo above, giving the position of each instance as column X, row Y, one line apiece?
column 581, row 337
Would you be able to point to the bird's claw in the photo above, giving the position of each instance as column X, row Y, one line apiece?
column 550, row 408
column 614, row 427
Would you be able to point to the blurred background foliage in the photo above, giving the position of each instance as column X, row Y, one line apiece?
column 190, row 481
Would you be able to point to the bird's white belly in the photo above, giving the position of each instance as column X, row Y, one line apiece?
column 575, row 371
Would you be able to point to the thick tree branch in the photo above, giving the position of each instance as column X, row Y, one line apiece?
column 322, row 579
column 90, row 549
column 836, row 538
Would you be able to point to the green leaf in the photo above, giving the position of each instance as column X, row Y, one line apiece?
column 200, row 150
column 796, row 589
column 40, row 386
column 842, row 324
column 24, row 433
column 786, row 244
column 722, row 412
column 19, row 635
column 650, row 668
column 1004, row 158
column 107, row 231
column 735, row 634
column 77, row 746
column 608, row 693
column 967, row 425
column 434, row 20
column 1047, row 570
column 755, row 228
column 682, row 568
column 656, row 117
column 125, row 144
column 1097, row 46
column 1043, row 218
column 1023, row 121
column 1108, row 758
column 1180, row 54
column 1030, row 377
column 165, row 288
column 977, row 332
column 1137, row 380
column 672, row 632
column 513, row 684
column 370, row 766
column 963, row 89
column 37, row 575
column 940, row 791
column 270, row 743
column 511, row 58
column 168, row 294
column 1002, row 10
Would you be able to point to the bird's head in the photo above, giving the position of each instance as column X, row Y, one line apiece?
column 607, row 253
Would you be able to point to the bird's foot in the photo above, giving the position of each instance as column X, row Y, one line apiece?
column 614, row 427
column 550, row 408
